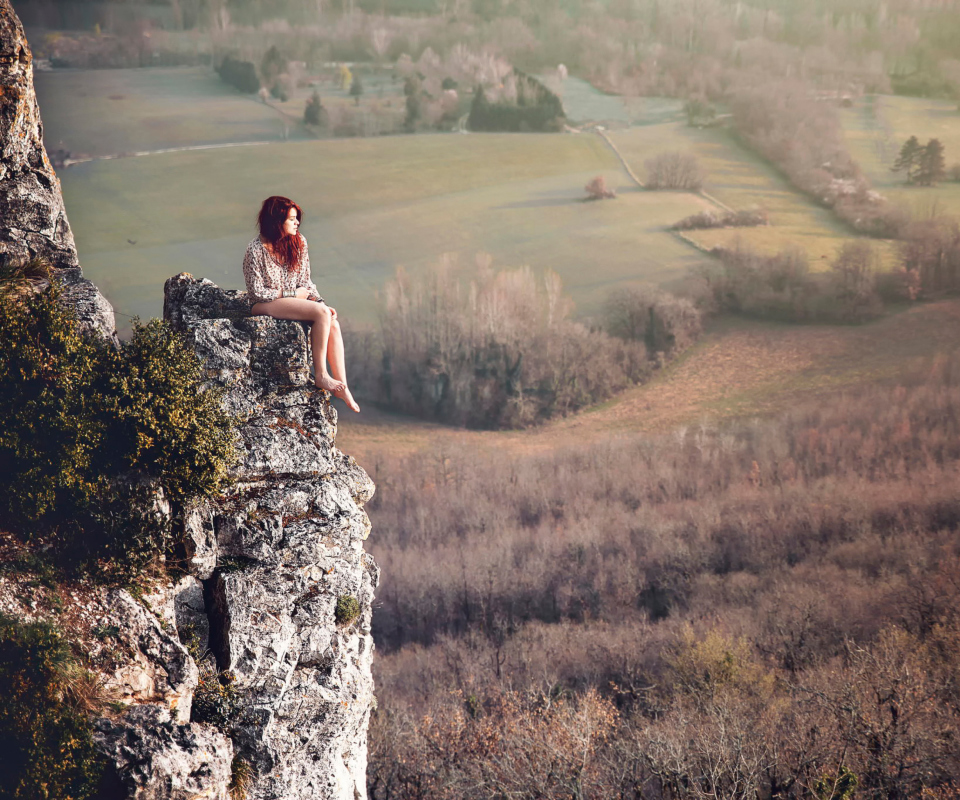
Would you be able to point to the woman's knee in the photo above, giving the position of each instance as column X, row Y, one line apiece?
column 320, row 312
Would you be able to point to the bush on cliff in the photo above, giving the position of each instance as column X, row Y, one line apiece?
column 96, row 440
column 45, row 737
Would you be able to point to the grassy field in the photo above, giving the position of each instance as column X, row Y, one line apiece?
column 370, row 205
column 878, row 125
column 111, row 111
column 736, row 177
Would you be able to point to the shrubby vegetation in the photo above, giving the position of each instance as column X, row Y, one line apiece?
column 241, row 75
column 930, row 256
column 674, row 171
column 726, row 219
column 527, row 106
column 762, row 609
column 801, row 136
column 667, row 325
column 96, row 440
column 499, row 351
column 45, row 734
column 782, row 287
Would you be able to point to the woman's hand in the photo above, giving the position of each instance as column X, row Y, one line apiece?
column 303, row 293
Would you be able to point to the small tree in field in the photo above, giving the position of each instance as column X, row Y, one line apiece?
column 674, row 171
column 909, row 158
column 314, row 113
column 356, row 89
column 597, row 189
column 931, row 167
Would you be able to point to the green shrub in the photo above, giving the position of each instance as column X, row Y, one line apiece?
column 215, row 700
column 45, row 738
column 536, row 108
column 347, row 610
column 94, row 436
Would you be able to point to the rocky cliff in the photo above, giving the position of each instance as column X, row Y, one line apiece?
column 33, row 222
column 273, row 595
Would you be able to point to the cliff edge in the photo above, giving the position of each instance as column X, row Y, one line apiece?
column 271, row 599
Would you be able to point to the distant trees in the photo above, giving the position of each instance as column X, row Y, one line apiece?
column 239, row 74
column 356, row 89
column 922, row 164
column 535, row 108
column 314, row 113
column 782, row 287
column 272, row 66
column 674, row 171
column 909, row 158
column 498, row 351
column 666, row 324
column 801, row 136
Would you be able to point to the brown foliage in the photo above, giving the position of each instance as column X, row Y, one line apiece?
column 767, row 606
column 499, row 351
column 674, row 171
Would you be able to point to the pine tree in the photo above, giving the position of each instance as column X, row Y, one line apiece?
column 932, row 166
column 356, row 89
column 314, row 113
column 909, row 158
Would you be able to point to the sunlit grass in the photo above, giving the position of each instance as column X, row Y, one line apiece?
column 876, row 128
column 741, row 180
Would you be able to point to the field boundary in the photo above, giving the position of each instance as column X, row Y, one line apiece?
column 69, row 162
column 623, row 161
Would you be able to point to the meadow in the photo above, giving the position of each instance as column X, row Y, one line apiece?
column 371, row 204
column 741, row 180
column 876, row 127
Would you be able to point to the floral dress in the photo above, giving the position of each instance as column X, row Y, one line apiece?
column 267, row 279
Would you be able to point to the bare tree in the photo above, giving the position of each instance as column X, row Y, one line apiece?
column 674, row 171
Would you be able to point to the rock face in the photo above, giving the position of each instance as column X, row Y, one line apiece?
column 277, row 585
column 280, row 555
column 32, row 218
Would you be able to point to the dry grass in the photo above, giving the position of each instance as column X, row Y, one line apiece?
column 739, row 369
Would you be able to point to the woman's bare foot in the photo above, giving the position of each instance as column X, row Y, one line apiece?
column 329, row 384
column 344, row 394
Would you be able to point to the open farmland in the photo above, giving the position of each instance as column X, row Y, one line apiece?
column 878, row 125
column 96, row 113
column 370, row 205
column 741, row 180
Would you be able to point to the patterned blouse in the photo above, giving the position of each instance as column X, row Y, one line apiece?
column 267, row 279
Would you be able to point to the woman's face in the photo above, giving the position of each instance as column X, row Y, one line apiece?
column 291, row 224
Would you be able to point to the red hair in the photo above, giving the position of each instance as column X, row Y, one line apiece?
column 288, row 250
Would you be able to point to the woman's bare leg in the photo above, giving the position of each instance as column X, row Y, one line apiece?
column 338, row 366
column 319, row 317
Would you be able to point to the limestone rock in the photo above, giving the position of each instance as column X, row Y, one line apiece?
column 267, row 562
column 33, row 221
column 287, row 541
column 151, row 757
column 157, row 668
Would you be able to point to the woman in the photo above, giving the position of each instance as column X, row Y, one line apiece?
column 276, row 268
